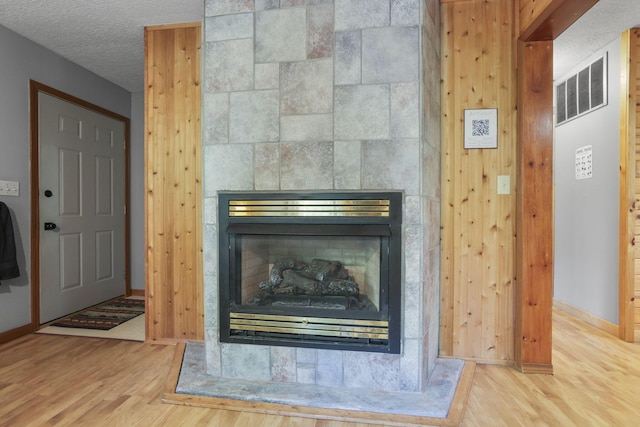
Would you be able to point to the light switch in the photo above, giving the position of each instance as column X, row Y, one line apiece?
column 504, row 184
column 9, row 188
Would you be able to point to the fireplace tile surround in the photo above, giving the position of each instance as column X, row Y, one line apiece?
column 323, row 95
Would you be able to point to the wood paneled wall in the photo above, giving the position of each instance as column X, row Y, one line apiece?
column 478, row 225
column 496, row 289
column 174, row 288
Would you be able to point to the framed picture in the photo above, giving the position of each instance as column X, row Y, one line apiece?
column 481, row 128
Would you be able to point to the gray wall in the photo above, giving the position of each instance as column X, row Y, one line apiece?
column 23, row 60
column 586, row 211
column 136, row 185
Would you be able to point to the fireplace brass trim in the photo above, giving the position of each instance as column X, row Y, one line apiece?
column 359, row 322
column 349, row 328
column 318, row 208
column 300, row 202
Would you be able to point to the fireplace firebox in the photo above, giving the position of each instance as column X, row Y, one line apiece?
column 320, row 270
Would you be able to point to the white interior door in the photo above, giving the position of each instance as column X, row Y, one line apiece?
column 81, row 170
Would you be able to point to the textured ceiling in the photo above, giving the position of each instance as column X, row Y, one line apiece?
column 601, row 25
column 104, row 36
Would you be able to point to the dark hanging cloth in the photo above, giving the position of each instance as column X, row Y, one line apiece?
column 8, row 260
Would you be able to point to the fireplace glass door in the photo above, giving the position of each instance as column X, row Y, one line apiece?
column 308, row 274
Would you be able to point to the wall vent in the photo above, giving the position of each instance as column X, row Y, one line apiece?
column 582, row 92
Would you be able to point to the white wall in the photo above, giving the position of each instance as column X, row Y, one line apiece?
column 21, row 60
column 586, row 211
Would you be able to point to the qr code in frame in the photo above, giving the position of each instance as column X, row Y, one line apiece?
column 480, row 127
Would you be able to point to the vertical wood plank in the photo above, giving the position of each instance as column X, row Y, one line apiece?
column 534, row 207
column 193, row 301
column 173, row 186
column 447, row 329
column 630, row 55
column 177, row 163
column 635, row 87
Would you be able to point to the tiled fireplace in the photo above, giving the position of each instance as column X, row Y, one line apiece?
column 326, row 96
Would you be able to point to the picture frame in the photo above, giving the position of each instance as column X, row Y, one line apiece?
column 481, row 128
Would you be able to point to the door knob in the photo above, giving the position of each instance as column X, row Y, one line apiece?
column 48, row 193
column 49, row 226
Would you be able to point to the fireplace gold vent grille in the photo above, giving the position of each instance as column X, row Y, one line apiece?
column 309, row 208
column 329, row 327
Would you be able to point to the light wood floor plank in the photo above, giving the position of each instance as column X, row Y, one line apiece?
column 48, row 380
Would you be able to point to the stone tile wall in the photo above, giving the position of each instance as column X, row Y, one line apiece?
column 327, row 95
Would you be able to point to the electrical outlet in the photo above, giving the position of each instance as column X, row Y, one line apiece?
column 9, row 188
column 504, row 184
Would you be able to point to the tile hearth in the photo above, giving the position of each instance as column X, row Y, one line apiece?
column 435, row 401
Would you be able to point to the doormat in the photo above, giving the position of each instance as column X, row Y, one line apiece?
column 104, row 316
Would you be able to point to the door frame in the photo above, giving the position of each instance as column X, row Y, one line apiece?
column 34, row 89
column 557, row 16
column 534, row 192
column 628, row 204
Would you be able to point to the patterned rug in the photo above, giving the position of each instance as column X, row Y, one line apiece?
column 104, row 316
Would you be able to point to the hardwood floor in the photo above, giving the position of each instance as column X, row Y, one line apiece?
column 596, row 382
column 73, row 381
